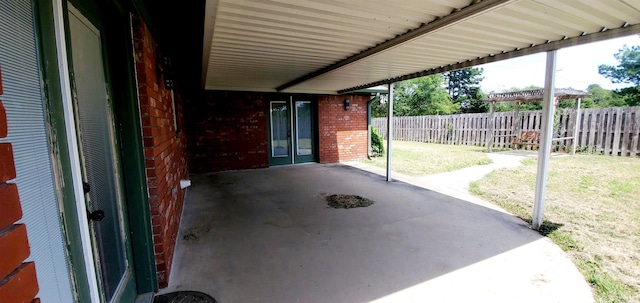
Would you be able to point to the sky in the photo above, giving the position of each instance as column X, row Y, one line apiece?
column 576, row 67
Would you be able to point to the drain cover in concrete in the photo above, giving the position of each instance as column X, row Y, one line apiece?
column 348, row 201
column 184, row 297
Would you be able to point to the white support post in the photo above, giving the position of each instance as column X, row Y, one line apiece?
column 389, row 130
column 576, row 127
column 548, row 108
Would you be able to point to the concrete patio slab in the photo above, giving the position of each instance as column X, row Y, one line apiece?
column 268, row 236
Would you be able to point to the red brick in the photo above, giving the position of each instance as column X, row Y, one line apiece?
column 20, row 286
column 343, row 133
column 229, row 129
column 3, row 121
column 7, row 167
column 15, row 246
column 9, row 205
column 164, row 150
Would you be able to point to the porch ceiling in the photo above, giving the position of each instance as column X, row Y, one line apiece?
column 332, row 46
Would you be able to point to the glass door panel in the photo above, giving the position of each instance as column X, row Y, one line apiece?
column 304, row 131
column 280, row 133
column 292, row 131
column 95, row 128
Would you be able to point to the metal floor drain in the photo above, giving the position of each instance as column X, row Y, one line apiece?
column 184, row 297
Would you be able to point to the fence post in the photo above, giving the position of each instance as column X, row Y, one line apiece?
column 516, row 123
column 576, row 127
column 491, row 125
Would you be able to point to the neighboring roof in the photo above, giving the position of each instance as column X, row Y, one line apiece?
column 327, row 46
column 536, row 95
column 380, row 89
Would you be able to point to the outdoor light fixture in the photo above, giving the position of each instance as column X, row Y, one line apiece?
column 164, row 71
column 346, row 104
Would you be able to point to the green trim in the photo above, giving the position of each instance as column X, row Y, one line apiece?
column 274, row 161
column 117, row 42
column 118, row 45
column 369, row 131
column 291, row 119
column 98, row 17
column 52, row 94
column 132, row 158
column 314, row 129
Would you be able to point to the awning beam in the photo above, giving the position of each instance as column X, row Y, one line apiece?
column 554, row 45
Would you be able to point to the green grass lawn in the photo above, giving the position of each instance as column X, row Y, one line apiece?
column 419, row 159
column 592, row 211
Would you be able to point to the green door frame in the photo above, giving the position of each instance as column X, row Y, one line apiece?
column 301, row 158
column 118, row 47
column 292, row 123
column 273, row 158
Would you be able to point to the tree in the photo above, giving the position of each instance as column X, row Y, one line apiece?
column 600, row 97
column 463, row 86
column 422, row 96
column 379, row 106
column 416, row 97
column 627, row 71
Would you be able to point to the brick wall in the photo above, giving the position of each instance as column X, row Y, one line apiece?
column 18, row 282
column 164, row 149
column 228, row 131
column 342, row 133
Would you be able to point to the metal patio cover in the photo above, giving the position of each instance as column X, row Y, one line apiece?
column 336, row 46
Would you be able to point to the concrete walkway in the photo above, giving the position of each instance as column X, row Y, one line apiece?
column 460, row 179
column 268, row 236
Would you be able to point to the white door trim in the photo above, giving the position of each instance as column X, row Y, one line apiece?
column 72, row 145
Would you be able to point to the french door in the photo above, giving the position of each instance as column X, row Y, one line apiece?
column 99, row 161
column 292, row 132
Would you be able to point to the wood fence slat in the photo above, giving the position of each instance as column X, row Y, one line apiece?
column 613, row 131
column 501, row 132
column 617, row 131
column 593, row 116
column 607, row 126
column 625, row 134
column 583, row 129
column 636, row 132
column 600, row 120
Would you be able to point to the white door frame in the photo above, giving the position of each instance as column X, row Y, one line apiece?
column 72, row 146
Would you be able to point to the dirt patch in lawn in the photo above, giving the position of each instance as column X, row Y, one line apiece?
column 348, row 201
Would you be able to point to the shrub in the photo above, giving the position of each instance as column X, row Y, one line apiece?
column 377, row 145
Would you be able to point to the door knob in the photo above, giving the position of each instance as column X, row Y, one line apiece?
column 86, row 187
column 97, row 215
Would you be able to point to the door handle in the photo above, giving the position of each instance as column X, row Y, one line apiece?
column 86, row 187
column 96, row 215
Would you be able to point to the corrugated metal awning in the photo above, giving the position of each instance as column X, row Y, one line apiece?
column 330, row 46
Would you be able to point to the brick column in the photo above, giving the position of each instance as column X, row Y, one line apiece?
column 18, row 281
column 343, row 133
column 164, row 148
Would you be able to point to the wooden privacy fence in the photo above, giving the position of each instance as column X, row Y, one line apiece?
column 611, row 131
